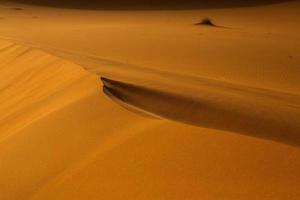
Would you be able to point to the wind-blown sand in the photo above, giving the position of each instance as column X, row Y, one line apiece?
column 187, row 112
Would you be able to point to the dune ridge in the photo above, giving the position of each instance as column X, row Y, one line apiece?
column 64, row 137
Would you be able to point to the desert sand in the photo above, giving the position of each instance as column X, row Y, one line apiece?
column 126, row 100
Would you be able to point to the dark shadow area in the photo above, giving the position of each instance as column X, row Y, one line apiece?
column 254, row 115
column 148, row 4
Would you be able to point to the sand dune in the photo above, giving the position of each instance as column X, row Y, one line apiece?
column 213, row 112
column 65, row 137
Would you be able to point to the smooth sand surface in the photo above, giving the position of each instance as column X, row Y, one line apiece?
column 182, row 111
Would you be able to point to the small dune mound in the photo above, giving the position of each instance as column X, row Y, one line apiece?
column 206, row 22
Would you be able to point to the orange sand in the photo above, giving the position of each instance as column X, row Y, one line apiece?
column 189, row 112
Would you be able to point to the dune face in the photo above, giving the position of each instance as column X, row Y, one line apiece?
column 149, row 4
column 146, row 100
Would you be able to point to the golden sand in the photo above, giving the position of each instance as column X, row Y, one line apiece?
column 183, row 111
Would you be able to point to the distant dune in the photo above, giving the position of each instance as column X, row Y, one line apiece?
column 149, row 4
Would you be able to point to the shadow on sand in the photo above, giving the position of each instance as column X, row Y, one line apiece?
column 253, row 114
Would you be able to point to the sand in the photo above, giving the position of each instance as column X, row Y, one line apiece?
column 182, row 111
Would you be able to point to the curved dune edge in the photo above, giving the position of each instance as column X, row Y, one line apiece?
column 258, row 114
